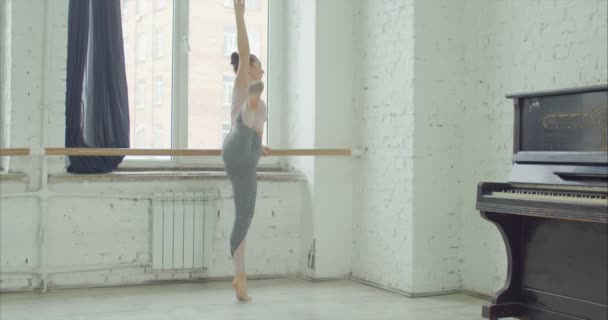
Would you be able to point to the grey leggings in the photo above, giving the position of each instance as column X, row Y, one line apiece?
column 241, row 154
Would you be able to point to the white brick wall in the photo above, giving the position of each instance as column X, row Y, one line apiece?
column 433, row 79
column 439, row 119
column 383, row 225
column 99, row 232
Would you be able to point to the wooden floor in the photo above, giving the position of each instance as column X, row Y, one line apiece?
column 272, row 299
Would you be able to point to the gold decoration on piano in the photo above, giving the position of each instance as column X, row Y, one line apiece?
column 597, row 118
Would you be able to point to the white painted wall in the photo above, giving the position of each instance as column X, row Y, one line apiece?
column 319, row 114
column 299, row 111
column 5, row 76
column 334, row 128
column 516, row 46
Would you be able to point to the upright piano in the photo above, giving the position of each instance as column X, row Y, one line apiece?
column 553, row 212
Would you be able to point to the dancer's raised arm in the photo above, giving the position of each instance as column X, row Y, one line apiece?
column 242, row 74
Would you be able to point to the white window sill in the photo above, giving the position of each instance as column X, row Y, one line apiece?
column 13, row 177
column 170, row 175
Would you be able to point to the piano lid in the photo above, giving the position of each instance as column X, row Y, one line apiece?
column 537, row 94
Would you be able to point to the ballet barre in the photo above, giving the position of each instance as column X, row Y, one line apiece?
column 90, row 152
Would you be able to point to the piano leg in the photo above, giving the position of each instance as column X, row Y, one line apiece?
column 506, row 302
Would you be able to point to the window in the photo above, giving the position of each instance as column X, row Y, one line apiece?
column 179, row 88
column 140, row 101
column 226, row 129
column 141, row 47
column 210, row 75
column 140, row 137
column 141, row 7
column 160, row 43
column 124, row 5
column 230, row 43
column 249, row 4
column 125, row 41
column 158, row 136
column 228, row 89
column 158, row 91
column 254, row 43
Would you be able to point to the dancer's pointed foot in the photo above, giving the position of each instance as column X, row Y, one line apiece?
column 239, row 284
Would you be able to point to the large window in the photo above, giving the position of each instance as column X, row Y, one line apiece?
column 179, row 75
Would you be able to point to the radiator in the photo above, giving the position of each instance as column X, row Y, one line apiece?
column 181, row 233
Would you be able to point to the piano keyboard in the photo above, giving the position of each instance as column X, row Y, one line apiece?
column 543, row 195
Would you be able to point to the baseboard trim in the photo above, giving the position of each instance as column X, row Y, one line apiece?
column 311, row 279
column 54, row 288
column 202, row 279
column 477, row 295
column 403, row 292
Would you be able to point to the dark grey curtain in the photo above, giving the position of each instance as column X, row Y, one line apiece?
column 97, row 104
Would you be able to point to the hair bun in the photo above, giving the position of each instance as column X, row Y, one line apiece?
column 234, row 59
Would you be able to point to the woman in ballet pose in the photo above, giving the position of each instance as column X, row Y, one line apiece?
column 242, row 147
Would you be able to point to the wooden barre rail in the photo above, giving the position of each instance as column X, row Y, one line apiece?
column 161, row 152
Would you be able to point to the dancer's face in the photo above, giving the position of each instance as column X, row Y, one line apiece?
column 255, row 70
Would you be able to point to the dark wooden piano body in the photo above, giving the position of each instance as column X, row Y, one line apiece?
column 553, row 212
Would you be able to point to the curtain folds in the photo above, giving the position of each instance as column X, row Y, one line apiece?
column 97, row 104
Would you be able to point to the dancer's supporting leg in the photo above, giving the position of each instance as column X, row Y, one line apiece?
column 244, row 184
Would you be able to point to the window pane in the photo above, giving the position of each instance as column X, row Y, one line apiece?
column 141, row 7
column 211, row 78
column 159, row 43
column 147, row 37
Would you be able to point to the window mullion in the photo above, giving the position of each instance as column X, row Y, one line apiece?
column 179, row 129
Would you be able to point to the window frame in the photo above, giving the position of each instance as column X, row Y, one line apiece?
column 179, row 93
